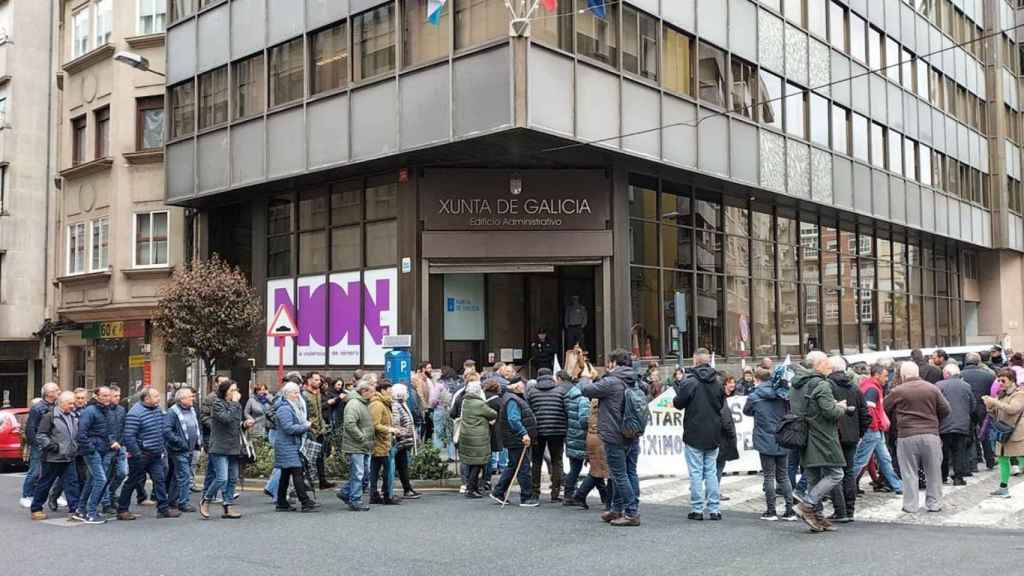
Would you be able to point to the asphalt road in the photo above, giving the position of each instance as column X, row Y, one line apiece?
column 444, row 533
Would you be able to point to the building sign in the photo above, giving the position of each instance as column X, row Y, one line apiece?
column 342, row 318
column 108, row 330
column 136, row 361
column 540, row 200
column 661, row 447
column 464, row 307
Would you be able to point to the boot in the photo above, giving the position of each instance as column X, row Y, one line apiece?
column 229, row 512
column 204, row 509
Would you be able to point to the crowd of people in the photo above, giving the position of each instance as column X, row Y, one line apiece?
column 911, row 426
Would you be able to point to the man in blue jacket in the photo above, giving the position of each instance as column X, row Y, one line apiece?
column 767, row 404
column 118, row 471
column 95, row 447
column 35, row 458
column 144, row 438
column 517, row 426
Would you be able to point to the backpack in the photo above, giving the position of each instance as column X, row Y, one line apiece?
column 634, row 412
column 792, row 432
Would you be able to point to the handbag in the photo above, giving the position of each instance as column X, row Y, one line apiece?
column 456, row 430
column 999, row 431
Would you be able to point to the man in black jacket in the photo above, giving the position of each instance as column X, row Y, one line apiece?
column 701, row 396
column 35, row 459
column 929, row 372
column 547, row 400
column 852, row 427
column 980, row 378
column 954, row 429
column 542, row 351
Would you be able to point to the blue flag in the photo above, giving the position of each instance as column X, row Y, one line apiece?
column 597, row 7
column 434, row 9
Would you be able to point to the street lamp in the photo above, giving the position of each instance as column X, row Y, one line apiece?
column 136, row 61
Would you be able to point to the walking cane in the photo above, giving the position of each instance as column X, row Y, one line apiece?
column 514, row 476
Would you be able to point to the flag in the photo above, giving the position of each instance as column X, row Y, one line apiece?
column 597, row 7
column 558, row 367
column 550, row 5
column 434, row 9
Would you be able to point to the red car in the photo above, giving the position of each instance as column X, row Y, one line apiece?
column 11, row 422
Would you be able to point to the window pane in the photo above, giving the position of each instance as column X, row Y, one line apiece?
column 830, row 300
column 160, row 238
column 860, row 137
column 152, row 14
column 857, row 39
column 373, row 40
column 737, row 317
column 630, row 40
column 312, row 252
column 922, row 80
column 819, row 119
column 103, row 132
column 789, row 315
column 910, row 158
column 143, row 239
column 645, row 307
column 874, row 48
column 816, row 17
column 877, row 145
column 677, row 61
column 313, row 210
column 213, row 97
column 794, row 12
column 180, row 9
column 771, row 99
column 80, row 32
column 249, row 87
column 764, row 317
column 711, row 75
column 840, row 135
column 643, row 202
column 907, row 70
column 837, row 26
column 596, row 36
column 423, row 41
column 279, row 215
column 346, row 204
column 924, row 159
column 286, row 72
column 744, row 87
column 555, row 29
column 639, row 43
column 382, row 243
column 895, row 152
column 891, row 59
column 104, row 21
column 710, row 312
column 643, row 243
column 152, row 128
column 676, row 250
column 382, row 201
column 678, row 307
column 78, row 143
column 182, row 109
column 737, row 256
column 346, row 248
column 812, row 335
column 279, row 256
column 795, row 111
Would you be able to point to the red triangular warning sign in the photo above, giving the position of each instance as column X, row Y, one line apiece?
column 283, row 324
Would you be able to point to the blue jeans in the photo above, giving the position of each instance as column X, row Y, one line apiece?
column 119, row 467
column 439, row 417
column 35, row 471
column 575, row 466
column 225, row 471
column 94, row 489
column 622, row 472
column 138, row 467
column 525, row 478
column 873, row 442
column 181, row 493
column 703, row 465
column 358, row 479
column 272, row 482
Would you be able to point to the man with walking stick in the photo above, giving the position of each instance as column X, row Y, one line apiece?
column 516, row 426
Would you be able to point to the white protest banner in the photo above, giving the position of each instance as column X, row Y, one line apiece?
column 661, row 447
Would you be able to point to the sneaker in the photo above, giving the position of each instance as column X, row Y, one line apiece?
column 169, row 513
column 715, row 516
column 359, row 507
column 94, row 520
column 62, row 501
column 626, row 521
column 311, row 507
column 462, row 489
column 268, row 494
column 789, row 516
column 1000, row 493
column 696, row 516
column 809, row 516
column 769, row 517
column 959, row 482
column 288, row 508
column 531, row 503
column 187, row 508
column 474, row 494
column 411, row 495
column 25, row 502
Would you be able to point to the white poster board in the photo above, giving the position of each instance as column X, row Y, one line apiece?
column 661, row 447
column 464, row 307
column 380, row 312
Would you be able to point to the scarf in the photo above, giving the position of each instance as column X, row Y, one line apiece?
column 299, row 407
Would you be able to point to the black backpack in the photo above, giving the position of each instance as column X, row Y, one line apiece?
column 634, row 412
column 792, row 432
column 270, row 415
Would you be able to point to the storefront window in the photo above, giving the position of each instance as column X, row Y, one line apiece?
column 645, row 305
column 737, row 318
column 765, row 337
column 678, row 307
column 789, row 318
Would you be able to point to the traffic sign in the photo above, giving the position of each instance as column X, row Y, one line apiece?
column 283, row 324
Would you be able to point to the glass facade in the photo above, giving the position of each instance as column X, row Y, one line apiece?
column 746, row 279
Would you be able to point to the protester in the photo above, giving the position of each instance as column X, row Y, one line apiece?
column 383, row 430
column 822, row 457
column 406, row 439
column 144, row 438
column 317, row 425
column 746, row 384
column 980, row 378
column 183, row 439
column 916, row 407
column 35, row 459
column 293, row 424
column 728, row 450
column 475, row 436
column 226, row 428
column 270, row 488
column 873, row 443
column 577, row 409
column 767, row 405
column 702, row 396
column 116, row 414
column 852, row 427
column 547, row 400
column 652, row 379
column 1006, row 408
column 517, row 426
column 928, row 372
column 441, row 393
column 597, row 469
column 955, row 428
column 54, row 439
column 256, row 410
column 357, row 443
column 996, row 361
column 95, row 447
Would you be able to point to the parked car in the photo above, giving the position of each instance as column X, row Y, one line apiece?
column 11, row 422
